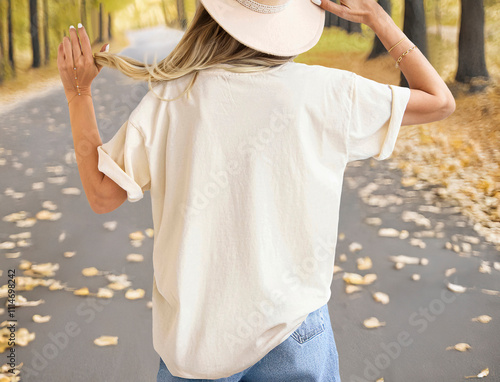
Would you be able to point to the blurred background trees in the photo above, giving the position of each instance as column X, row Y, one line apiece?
column 30, row 30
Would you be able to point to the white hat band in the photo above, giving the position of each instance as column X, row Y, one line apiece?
column 263, row 8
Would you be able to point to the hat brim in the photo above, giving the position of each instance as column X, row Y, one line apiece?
column 292, row 31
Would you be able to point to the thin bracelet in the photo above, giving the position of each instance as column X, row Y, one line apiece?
column 389, row 51
column 78, row 95
column 404, row 54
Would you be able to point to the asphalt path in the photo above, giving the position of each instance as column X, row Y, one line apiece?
column 421, row 320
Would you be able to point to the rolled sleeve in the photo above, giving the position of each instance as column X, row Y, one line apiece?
column 377, row 112
column 124, row 159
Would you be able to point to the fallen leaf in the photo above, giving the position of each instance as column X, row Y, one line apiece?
column 456, row 288
column 149, row 232
column 381, row 297
column 118, row 282
column 41, row 319
column 418, row 219
column 484, row 267
column 12, row 255
column 15, row 216
column 388, row 232
column 399, row 266
column 48, row 215
column 134, row 294
column 490, row 292
column 105, row 293
column 364, row 263
column 111, row 225
column 354, row 278
column 349, row 288
column 415, row 277
column 372, row 322
column 482, row 374
column 137, row 235
column 23, row 301
column 48, row 205
column 44, row 269
column 336, row 269
column 69, row 254
column 354, row 246
column 82, row 291
column 89, row 272
column 450, row 271
column 149, row 304
column 71, row 191
column 7, row 245
column 106, row 341
column 135, row 258
column 462, row 346
column 484, row 319
column 409, row 260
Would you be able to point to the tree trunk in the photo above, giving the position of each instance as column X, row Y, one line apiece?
column 353, row 27
column 471, row 58
column 35, row 43
column 437, row 15
column 83, row 13
column 331, row 19
column 100, row 38
column 110, row 27
column 10, row 33
column 46, row 31
column 181, row 14
column 2, row 35
column 415, row 28
column 164, row 9
column 379, row 48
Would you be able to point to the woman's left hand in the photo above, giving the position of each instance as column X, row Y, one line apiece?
column 74, row 53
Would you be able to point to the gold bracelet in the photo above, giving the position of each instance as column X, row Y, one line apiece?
column 404, row 54
column 389, row 51
column 78, row 94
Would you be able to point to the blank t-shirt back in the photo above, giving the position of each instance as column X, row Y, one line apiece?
column 245, row 177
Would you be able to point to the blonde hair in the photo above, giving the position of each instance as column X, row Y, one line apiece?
column 204, row 45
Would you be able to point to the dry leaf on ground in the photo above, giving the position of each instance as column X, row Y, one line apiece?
column 135, row 258
column 106, row 340
column 482, row 374
column 381, row 297
column 134, row 294
column 484, row 319
column 364, row 263
column 41, row 319
column 354, row 278
column 462, row 346
column 372, row 322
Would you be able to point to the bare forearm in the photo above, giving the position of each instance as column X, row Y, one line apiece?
column 417, row 70
column 86, row 139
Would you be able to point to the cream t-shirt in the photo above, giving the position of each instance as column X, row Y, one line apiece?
column 245, row 178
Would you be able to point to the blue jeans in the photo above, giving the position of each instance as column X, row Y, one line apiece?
column 308, row 355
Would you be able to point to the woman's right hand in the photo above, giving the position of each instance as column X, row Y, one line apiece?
column 358, row 11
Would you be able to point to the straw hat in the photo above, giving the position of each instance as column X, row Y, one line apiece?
column 278, row 27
